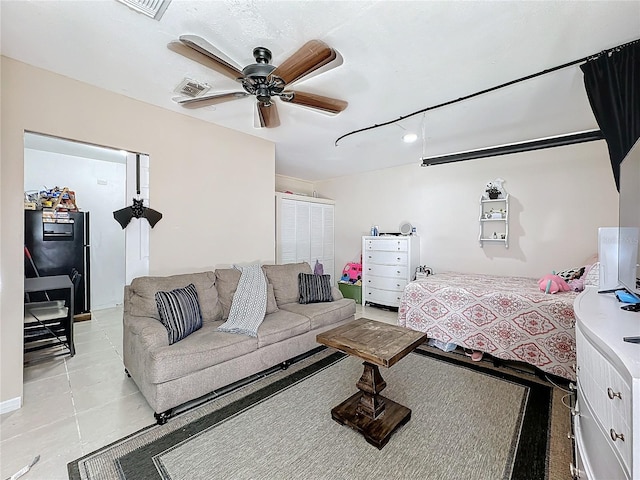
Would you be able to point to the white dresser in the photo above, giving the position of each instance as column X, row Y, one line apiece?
column 388, row 264
column 607, row 413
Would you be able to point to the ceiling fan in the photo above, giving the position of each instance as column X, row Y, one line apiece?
column 261, row 79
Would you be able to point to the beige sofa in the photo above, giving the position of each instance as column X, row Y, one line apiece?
column 207, row 360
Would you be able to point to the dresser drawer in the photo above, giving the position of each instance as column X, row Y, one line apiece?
column 619, row 396
column 386, row 258
column 387, row 245
column 383, row 297
column 386, row 283
column 599, row 459
column 608, row 397
column 392, row 271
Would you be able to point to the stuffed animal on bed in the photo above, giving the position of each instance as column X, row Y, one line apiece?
column 575, row 277
column 553, row 283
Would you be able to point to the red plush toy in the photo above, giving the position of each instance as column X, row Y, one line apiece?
column 553, row 283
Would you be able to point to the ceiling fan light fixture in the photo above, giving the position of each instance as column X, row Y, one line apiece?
column 263, row 94
column 409, row 137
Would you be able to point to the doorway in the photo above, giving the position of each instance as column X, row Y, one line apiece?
column 102, row 180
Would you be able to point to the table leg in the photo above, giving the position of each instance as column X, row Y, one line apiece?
column 371, row 383
column 368, row 412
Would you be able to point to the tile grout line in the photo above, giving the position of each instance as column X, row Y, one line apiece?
column 73, row 402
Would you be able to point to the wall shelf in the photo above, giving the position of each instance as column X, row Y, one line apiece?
column 494, row 218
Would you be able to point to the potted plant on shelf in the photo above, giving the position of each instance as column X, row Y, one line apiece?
column 493, row 192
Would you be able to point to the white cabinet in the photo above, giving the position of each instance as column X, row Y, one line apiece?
column 494, row 221
column 388, row 264
column 304, row 231
column 607, row 419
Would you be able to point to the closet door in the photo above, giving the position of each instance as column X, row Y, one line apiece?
column 304, row 231
column 321, row 228
column 294, row 239
column 286, row 232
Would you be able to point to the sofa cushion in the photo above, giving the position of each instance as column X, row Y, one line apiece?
column 281, row 325
column 143, row 294
column 323, row 314
column 314, row 288
column 179, row 312
column 284, row 279
column 227, row 282
column 200, row 350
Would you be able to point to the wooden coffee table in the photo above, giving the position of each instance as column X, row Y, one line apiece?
column 378, row 344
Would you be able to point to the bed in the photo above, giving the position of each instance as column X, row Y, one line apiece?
column 506, row 317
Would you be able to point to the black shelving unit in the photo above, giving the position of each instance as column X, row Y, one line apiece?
column 48, row 325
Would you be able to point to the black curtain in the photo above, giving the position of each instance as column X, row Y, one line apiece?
column 612, row 82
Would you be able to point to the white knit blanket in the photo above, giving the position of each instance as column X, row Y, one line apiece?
column 249, row 303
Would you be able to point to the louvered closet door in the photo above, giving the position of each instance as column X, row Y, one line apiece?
column 286, row 248
column 303, row 232
column 321, row 229
column 306, row 234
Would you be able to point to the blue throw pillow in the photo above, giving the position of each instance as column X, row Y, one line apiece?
column 314, row 288
column 179, row 312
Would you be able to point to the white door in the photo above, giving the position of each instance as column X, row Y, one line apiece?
column 137, row 232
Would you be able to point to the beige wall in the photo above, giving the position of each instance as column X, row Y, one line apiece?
column 559, row 197
column 214, row 186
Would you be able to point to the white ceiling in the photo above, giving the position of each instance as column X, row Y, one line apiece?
column 399, row 57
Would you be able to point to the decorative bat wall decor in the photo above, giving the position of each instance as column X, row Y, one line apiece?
column 137, row 210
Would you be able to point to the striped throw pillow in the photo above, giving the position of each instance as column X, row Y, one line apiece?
column 179, row 312
column 314, row 288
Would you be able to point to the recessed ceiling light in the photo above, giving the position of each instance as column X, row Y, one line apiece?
column 409, row 137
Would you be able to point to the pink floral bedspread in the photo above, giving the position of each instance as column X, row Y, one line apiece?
column 507, row 317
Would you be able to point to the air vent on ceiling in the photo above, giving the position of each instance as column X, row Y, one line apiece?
column 192, row 88
column 151, row 8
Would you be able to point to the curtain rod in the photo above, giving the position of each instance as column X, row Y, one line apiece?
column 481, row 92
column 549, row 142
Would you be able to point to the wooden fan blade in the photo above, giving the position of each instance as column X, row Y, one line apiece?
column 201, row 51
column 207, row 100
column 268, row 115
column 327, row 104
column 311, row 56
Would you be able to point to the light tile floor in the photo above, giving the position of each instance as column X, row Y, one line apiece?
column 73, row 406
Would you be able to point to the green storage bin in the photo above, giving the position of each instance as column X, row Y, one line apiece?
column 349, row 290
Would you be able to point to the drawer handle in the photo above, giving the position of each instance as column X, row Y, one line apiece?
column 398, row 271
column 611, row 394
column 615, row 436
column 575, row 472
column 398, row 258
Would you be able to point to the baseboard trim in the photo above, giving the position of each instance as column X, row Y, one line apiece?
column 10, row 405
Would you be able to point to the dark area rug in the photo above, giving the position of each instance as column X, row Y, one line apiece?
column 468, row 421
